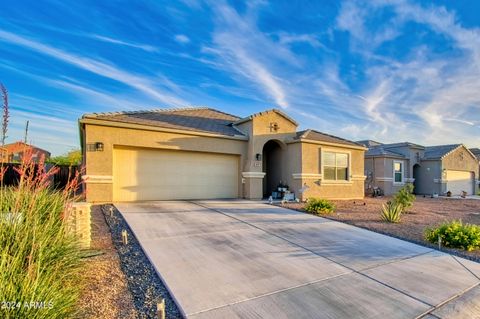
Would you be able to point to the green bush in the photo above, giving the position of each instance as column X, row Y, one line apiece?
column 391, row 212
column 319, row 206
column 39, row 260
column 455, row 234
column 405, row 197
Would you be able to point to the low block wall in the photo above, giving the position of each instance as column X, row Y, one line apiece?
column 78, row 221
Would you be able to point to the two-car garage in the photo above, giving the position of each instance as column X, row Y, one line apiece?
column 152, row 174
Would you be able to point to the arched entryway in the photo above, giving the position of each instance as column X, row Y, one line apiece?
column 416, row 170
column 272, row 166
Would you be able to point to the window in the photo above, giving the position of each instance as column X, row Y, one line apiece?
column 398, row 172
column 335, row 166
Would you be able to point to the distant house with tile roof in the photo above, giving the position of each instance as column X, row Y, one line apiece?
column 15, row 152
column 432, row 169
column 203, row 153
column 476, row 152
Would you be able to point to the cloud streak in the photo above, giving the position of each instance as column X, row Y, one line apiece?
column 239, row 43
column 102, row 38
column 430, row 95
column 145, row 86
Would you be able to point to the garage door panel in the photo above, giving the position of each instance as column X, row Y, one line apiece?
column 458, row 181
column 141, row 174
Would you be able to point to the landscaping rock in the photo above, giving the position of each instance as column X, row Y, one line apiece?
column 143, row 282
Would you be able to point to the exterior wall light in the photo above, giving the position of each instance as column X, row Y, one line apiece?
column 258, row 157
column 99, row 146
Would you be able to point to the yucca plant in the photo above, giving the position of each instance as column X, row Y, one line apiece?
column 39, row 260
column 405, row 197
column 391, row 212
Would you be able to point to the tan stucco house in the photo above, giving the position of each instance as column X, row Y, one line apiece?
column 432, row 169
column 202, row 153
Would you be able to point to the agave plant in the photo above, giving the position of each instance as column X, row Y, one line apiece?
column 391, row 212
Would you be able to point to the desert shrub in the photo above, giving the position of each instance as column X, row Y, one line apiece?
column 319, row 206
column 39, row 260
column 455, row 234
column 391, row 212
column 405, row 197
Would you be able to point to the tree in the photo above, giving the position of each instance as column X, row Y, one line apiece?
column 74, row 157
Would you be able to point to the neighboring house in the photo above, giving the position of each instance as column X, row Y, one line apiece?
column 3, row 155
column 432, row 169
column 16, row 151
column 202, row 153
column 476, row 152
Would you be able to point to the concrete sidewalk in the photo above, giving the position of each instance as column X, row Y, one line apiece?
column 244, row 259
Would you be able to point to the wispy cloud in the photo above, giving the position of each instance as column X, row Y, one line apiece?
column 244, row 49
column 102, row 38
column 93, row 97
column 142, row 84
column 49, row 132
column 425, row 88
column 182, row 38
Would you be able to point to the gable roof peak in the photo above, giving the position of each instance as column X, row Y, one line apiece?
column 311, row 134
column 278, row 111
column 440, row 151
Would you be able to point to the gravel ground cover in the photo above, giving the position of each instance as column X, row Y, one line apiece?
column 106, row 293
column 143, row 282
column 426, row 212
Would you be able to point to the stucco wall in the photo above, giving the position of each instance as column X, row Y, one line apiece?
column 381, row 171
column 428, row 179
column 99, row 165
column 461, row 160
column 410, row 153
column 260, row 132
column 319, row 187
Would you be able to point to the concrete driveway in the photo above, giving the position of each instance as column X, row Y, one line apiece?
column 244, row 259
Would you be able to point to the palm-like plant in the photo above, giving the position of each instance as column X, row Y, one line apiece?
column 391, row 212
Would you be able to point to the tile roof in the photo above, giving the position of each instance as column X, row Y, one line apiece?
column 437, row 152
column 403, row 144
column 204, row 119
column 323, row 137
column 380, row 151
column 476, row 152
column 21, row 146
column 199, row 119
column 369, row 143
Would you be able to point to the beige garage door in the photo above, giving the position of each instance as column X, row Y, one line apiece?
column 458, row 181
column 142, row 174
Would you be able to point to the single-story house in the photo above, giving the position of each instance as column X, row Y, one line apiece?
column 15, row 152
column 476, row 152
column 202, row 153
column 432, row 169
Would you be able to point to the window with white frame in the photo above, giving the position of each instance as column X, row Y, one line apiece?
column 397, row 172
column 335, row 166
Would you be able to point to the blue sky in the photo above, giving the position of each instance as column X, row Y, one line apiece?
column 389, row 70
